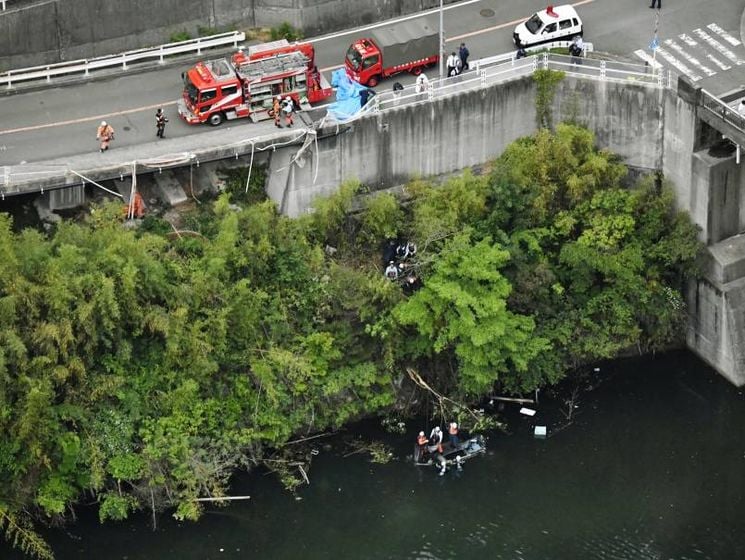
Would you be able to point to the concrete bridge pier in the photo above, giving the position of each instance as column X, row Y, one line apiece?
column 70, row 197
column 710, row 185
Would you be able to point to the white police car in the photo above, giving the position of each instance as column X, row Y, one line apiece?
column 555, row 23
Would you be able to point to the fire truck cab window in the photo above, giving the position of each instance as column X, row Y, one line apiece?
column 229, row 90
column 370, row 61
column 207, row 95
column 354, row 58
column 191, row 90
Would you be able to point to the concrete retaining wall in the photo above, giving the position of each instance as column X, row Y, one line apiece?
column 469, row 129
column 52, row 31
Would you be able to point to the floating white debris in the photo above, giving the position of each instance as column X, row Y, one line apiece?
column 540, row 431
column 527, row 411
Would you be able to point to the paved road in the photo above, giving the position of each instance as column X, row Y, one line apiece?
column 701, row 39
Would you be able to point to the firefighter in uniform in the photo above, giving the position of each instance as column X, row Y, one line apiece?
column 105, row 134
column 422, row 442
column 160, row 123
column 276, row 111
column 288, row 108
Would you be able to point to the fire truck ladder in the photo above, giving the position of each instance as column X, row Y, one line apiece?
column 289, row 63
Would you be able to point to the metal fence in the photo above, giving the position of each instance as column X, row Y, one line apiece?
column 500, row 68
column 86, row 66
column 719, row 108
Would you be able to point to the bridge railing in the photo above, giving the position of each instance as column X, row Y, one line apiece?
column 85, row 66
column 499, row 68
column 719, row 108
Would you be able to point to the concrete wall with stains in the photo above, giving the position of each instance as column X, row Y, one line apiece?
column 48, row 31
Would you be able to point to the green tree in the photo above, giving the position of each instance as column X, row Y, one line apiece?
column 463, row 308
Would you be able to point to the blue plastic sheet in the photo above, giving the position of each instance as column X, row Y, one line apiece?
column 348, row 101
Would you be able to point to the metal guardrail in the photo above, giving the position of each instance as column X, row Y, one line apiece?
column 85, row 66
column 722, row 110
column 499, row 68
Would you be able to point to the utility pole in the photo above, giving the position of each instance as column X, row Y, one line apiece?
column 442, row 43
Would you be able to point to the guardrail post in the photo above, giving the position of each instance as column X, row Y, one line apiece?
column 482, row 75
column 535, row 64
column 160, row 59
column 199, row 45
column 49, row 76
column 87, row 71
column 602, row 69
column 235, row 40
column 545, row 60
column 124, row 61
column 430, row 91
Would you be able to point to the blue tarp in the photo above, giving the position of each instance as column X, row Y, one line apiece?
column 348, row 100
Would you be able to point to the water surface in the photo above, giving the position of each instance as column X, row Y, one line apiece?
column 651, row 467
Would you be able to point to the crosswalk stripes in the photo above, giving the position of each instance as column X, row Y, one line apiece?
column 726, row 36
column 701, row 53
column 717, row 46
column 693, row 60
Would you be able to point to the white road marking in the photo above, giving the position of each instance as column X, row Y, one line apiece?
column 726, row 36
column 687, row 39
column 718, row 62
column 716, row 45
column 676, row 47
column 392, row 21
column 648, row 59
column 678, row 64
column 455, row 6
column 88, row 119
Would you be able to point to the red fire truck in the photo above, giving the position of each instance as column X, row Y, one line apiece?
column 408, row 46
column 245, row 84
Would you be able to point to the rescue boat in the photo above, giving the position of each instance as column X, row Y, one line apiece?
column 476, row 445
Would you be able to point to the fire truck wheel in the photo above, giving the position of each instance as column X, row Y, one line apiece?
column 216, row 119
column 372, row 82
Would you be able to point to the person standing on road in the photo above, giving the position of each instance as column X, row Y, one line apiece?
column 463, row 54
column 741, row 108
column 276, row 111
column 160, row 123
column 576, row 50
column 658, row 2
column 452, row 65
column 422, row 83
column 288, row 108
column 105, row 134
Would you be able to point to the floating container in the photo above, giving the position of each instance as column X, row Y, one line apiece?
column 527, row 411
column 540, row 431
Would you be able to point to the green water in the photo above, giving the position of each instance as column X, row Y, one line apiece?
column 651, row 467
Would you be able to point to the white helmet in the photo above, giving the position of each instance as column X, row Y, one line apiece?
column 421, row 433
column 103, row 123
